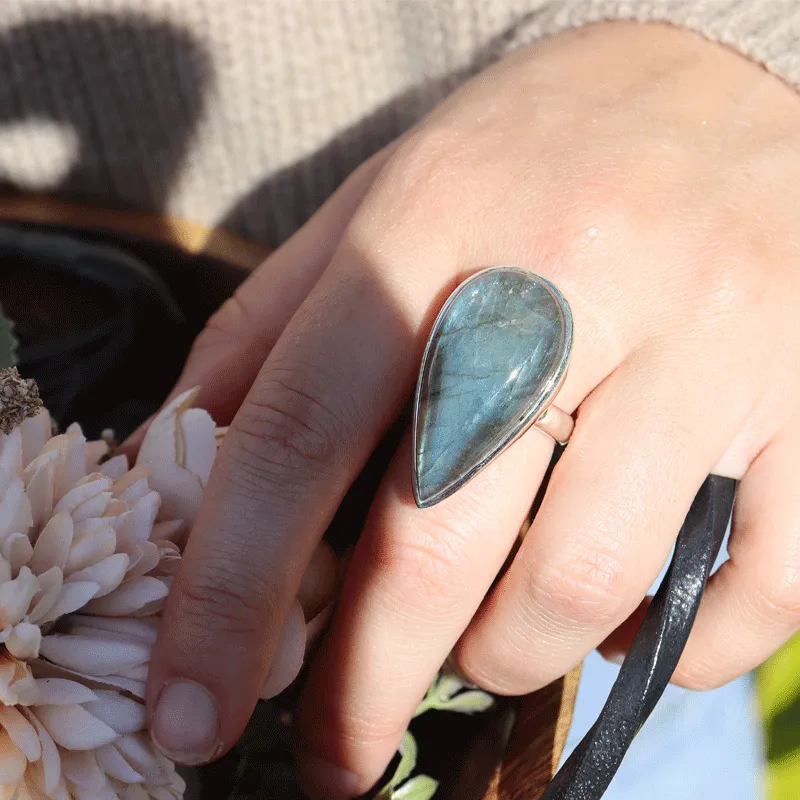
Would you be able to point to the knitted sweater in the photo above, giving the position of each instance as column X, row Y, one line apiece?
column 248, row 113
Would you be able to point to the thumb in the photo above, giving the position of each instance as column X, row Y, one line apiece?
column 237, row 339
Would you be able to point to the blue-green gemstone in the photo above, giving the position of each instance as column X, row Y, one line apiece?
column 495, row 357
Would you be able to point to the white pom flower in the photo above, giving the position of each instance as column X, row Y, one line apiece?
column 87, row 553
column 88, row 548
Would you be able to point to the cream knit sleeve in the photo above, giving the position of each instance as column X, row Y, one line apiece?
column 248, row 114
column 766, row 31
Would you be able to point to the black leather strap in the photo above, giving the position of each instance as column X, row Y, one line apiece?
column 655, row 651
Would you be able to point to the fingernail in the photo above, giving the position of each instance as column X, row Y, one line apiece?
column 322, row 779
column 289, row 655
column 186, row 723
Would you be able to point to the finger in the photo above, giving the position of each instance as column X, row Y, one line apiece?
column 331, row 386
column 752, row 603
column 320, row 581
column 415, row 581
column 289, row 654
column 228, row 353
column 615, row 503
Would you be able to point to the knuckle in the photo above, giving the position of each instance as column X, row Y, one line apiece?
column 361, row 729
column 430, row 157
column 780, row 596
column 285, row 432
column 238, row 313
column 425, row 564
column 586, row 589
column 234, row 601
column 498, row 673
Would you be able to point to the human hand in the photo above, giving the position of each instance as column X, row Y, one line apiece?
column 652, row 177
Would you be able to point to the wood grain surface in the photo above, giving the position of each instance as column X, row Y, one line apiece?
column 537, row 741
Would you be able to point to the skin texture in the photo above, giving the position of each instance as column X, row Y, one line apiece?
column 652, row 177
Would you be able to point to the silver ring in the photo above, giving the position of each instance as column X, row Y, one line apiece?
column 495, row 359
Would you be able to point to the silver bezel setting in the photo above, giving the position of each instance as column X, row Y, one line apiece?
column 548, row 392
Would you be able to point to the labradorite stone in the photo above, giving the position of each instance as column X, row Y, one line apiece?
column 494, row 356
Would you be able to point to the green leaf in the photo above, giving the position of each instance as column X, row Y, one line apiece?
column 446, row 686
column 408, row 760
column 8, row 342
column 470, row 702
column 421, row 787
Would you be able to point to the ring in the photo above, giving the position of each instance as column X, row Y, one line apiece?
column 495, row 359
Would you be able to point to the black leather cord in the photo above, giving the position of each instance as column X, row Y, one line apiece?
column 655, row 651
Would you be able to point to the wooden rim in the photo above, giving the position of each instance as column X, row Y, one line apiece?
column 191, row 237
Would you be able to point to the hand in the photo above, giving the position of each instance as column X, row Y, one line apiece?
column 652, row 176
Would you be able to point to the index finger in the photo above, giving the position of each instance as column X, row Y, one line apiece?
column 332, row 385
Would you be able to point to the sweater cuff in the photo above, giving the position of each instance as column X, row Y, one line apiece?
column 765, row 31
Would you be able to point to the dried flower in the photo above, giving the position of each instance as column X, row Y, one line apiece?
column 87, row 553
column 88, row 548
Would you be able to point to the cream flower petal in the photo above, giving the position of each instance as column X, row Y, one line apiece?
column 35, row 430
column 115, row 765
column 143, row 631
column 11, row 458
column 16, row 596
column 81, row 768
column 181, row 492
column 144, row 556
column 21, row 732
column 160, row 440
column 120, row 713
column 50, row 762
column 106, row 793
column 83, row 492
column 115, row 467
column 53, row 545
column 93, row 507
column 60, row 692
column 199, row 443
column 74, row 728
column 16, row 515
column 139, row 525
column 17, row 685
column 71, row 461
column 95, row 453
column 12, row 761
column 17, row 551
column 87, row 550
column 39, row 477
column 93, row 655
column 116, row 513
column 71, row 597
column 131, row 492
column 24, row 641
column 107, row 574
column 179, row 455
column 138, row 673
column 138, row 751
column 47, row 669
column 137, row 596
column 50, row 584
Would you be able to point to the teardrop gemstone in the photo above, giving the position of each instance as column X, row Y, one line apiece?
column 495, row 357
